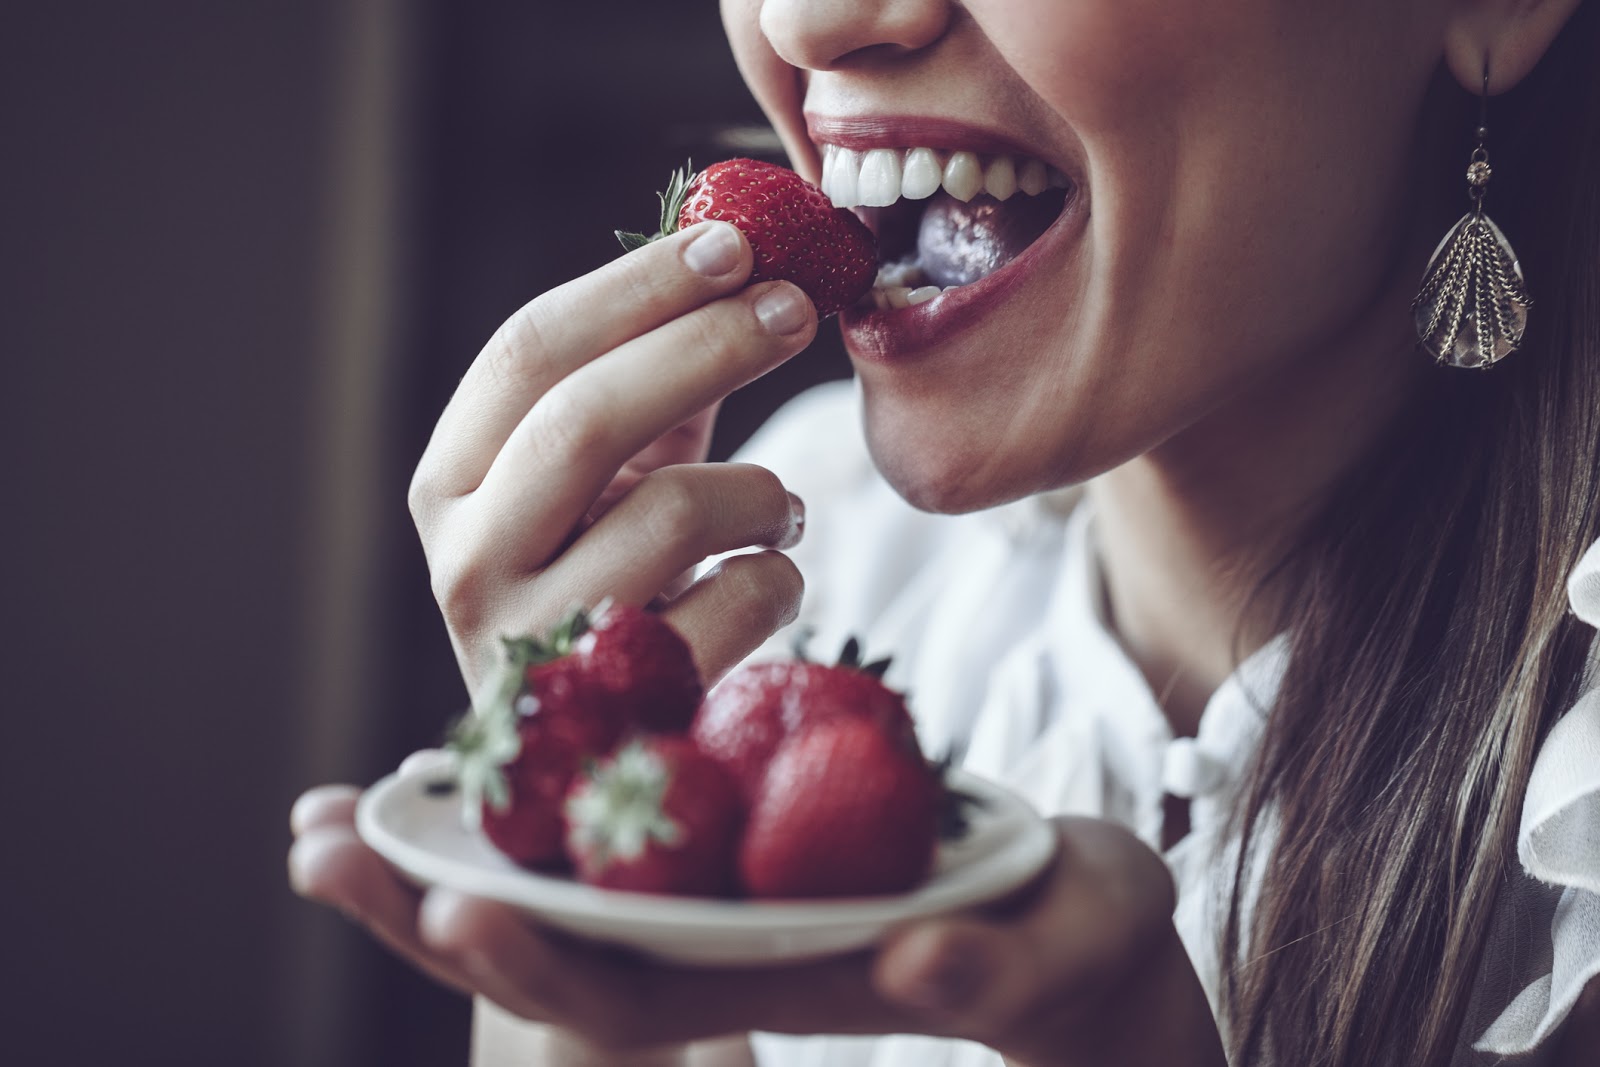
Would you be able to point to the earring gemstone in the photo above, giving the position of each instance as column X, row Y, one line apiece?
column 1472, row 308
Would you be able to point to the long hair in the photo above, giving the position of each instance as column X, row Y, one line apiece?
column 1431, row 646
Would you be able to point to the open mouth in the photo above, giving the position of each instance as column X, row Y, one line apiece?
column 944, row 219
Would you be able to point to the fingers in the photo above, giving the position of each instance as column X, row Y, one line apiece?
column 330, row 863
column 507, row 961
column 1103, row 909
column 328, row 805
column 834, row 995
column 688, row 443
column 671, row 520
column 563, row 453
column 736, row 606
column 563, row 329
column 620, row 1001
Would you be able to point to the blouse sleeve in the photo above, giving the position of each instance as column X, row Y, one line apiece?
column 1559, row 846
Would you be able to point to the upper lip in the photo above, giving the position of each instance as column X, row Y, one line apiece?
column 861, row 132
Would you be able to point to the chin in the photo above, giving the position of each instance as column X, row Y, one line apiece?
column 945, row 479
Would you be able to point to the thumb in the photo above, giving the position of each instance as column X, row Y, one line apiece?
column 966, row 977
column 1101, row 910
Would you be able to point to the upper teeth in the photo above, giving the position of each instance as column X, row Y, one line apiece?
column 880, row 176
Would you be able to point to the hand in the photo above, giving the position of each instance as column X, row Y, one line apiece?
column 567, row 466
column 1084, row 969
column 1088, row 970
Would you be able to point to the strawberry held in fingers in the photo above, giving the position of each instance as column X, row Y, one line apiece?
column 657, row 817
column 795, row 232
column 842, row 811
column 641, row 665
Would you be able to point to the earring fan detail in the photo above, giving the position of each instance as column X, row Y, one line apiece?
column 1472, row 308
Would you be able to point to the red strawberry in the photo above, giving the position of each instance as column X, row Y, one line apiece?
column 657, row 817
column 519, row 751
column 741, row 723
column 746, row 718
column 843, row 811
column 643, row 666
column 794, row 230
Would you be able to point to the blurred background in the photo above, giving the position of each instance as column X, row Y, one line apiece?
column 247, row 249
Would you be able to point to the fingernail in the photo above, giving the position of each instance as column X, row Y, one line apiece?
column 797, row 523
column 437, row 914
column 304, row 859
column 782, row 310
column 299, row 877
column 714, row 251
column 951, row 984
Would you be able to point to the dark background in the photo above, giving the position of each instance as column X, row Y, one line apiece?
column 246, row 251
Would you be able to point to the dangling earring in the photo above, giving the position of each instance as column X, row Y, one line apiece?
column 1472, row 308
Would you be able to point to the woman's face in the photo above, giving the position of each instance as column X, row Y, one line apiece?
column 1233, row 211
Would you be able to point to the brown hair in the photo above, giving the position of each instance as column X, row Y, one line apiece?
column 1431, row 645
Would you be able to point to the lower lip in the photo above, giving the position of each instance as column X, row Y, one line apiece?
column 901, row 334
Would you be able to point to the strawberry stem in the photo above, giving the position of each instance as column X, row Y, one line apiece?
column 672, row 200
column 671, row 207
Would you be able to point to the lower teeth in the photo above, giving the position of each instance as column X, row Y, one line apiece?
column 903, row 285
column 893, row 297
column 906, row 272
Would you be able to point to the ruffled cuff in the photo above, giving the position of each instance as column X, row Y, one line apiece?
column 1559, row 845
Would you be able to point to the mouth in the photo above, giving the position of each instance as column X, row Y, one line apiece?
column 963, row 216
column 944, row 219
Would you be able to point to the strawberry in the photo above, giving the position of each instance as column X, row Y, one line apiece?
column 741, row 723
column 746, row 718
column 794, row 230
column 642, row 666
column 843, row 810
column 519, row 751
column 657, row 817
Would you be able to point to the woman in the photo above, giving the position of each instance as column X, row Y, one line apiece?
column 1339, row 570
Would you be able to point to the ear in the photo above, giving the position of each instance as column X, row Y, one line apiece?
column 1510, row 35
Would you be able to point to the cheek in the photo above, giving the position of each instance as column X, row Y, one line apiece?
column 1247, row 161
column 1102, row 63
column 775, row 85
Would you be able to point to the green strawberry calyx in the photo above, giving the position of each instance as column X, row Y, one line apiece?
column 851, row 655
column 671, row 207
column 620, row 809
column 485, row 739
column 955, row 805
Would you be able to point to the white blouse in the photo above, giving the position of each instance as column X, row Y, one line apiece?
column 996, row 624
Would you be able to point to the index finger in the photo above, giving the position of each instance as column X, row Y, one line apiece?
column 558, row 332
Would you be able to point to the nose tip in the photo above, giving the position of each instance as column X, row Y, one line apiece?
column 834, row 34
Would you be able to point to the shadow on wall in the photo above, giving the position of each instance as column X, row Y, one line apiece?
column 251, row 251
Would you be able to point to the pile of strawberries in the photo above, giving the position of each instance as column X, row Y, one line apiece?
column 602, row 755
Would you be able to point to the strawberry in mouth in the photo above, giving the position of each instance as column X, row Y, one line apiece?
column 944, row 219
